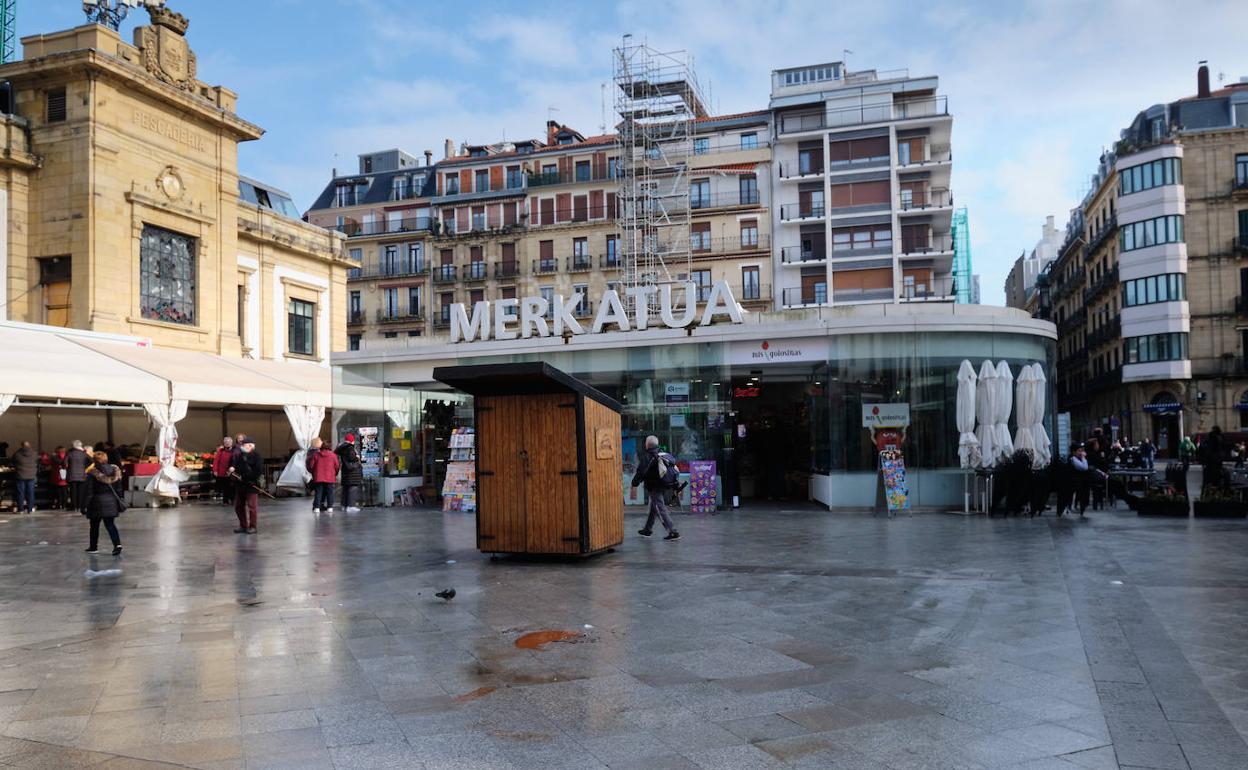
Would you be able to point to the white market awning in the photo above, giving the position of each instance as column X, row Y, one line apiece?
column 44, row 365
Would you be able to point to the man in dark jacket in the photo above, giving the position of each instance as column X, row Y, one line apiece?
column 648, row 474
column 76, row 462
column 352, row 473
column 26, row 464
column 250, row 472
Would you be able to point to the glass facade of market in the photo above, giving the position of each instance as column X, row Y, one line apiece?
column 780, row 417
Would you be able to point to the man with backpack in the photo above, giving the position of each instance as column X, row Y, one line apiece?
column 658, row 472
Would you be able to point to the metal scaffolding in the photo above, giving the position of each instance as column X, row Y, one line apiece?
column 962, row 278
column 8, row 28
column 657, row 99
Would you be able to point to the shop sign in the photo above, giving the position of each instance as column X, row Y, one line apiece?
column 1168, row 407
column 1063, row 434
column 747, row 391
column 885, row 415
column 508, row 319
column 778, row 351
column 676, row 393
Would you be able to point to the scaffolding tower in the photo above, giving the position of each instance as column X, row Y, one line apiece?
column 962, row 279
column 657, row 99
column 8, row 29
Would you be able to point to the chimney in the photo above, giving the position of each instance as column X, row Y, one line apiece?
column 450, row 148
column 1202, row 80
column 428, row 157
column 552, row 128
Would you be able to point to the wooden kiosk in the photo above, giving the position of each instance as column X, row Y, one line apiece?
column 548, row 459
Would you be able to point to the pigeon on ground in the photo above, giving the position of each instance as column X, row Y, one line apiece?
column 448, row 594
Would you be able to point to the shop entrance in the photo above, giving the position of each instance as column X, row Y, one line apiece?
column 772, row 430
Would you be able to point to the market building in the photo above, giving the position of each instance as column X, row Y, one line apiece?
column 130, row 235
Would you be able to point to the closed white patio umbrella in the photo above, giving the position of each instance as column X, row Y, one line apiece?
column 968, row 443
column 1004, row 404
column 985, row 412
column 1024, row 410
column 1040, row 437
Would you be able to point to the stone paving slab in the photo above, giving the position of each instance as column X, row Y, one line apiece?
column 765, row 638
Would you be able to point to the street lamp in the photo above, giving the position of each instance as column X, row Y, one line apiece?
column 109, row 13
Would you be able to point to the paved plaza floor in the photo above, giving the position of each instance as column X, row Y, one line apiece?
column 766, row 638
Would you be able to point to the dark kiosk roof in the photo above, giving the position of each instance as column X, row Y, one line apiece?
column 517, row 380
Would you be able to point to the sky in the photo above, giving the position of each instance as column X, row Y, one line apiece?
column 1037, row 88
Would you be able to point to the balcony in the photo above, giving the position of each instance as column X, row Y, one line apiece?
column 934, row 290
column 506, row 269
column 920, row 200
column 610, row 262
column 545, row 266
column 443, row 319
column 396, row 315
column 796, row 169
column 363, row 229
column 797, row 255
column 796, row 212
column 550, row 179
column 936, row 244
column 1227, row 365
column 405, row 270
column 797, row 296
column 937, row 153
column 793, row 123
column 1108, row 280
column 1106, row 380
column 709, row 149
column 724, row 200
column 405, row 193
column 444, row 274
column 1109, row 228
column 579, row 263
column 1106, row 333
column 846, row 296
column 728, row 245
column 752, row 292
column 476, row 271
column 584, row 310
column 355, row 317
column 1071, row 322
column 1239, row 245
column 1239, row 187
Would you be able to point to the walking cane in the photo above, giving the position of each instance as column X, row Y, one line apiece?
column 259, row 489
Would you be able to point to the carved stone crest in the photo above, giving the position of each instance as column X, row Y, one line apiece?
column 170, row 183
column 166, row 53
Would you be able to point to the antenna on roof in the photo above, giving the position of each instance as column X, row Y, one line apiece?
column 550, row 112
column 602, row 106
column 845, row 52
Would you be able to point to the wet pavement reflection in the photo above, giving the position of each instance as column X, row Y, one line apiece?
column 765, row 638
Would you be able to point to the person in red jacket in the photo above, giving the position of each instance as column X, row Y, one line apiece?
column 57, row 475
column 221, row 463
column 323, row 465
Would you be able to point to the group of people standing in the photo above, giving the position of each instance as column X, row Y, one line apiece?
column 238, row 470
column 64, row 469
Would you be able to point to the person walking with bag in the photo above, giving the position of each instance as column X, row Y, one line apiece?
column 657, row 471
column 323, row 465
column 352, row 472
column 76, row 462
column 102, row 503
column 249, row 468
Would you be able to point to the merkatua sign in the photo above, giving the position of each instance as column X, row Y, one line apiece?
column 509, row 319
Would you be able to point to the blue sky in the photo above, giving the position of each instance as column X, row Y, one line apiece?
column 1037, row 88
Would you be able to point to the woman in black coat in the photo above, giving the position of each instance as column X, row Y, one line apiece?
column 101, row 503
column 351, row 472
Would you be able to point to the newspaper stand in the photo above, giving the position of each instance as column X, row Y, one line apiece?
column 547, row 460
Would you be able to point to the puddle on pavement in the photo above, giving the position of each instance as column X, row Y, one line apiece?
column 480, row 692
column 535, row 639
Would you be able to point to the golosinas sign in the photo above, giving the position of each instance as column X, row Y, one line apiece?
column 509, row 319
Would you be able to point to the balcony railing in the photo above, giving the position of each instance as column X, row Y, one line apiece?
column 797, row 296
column 793, row 169
column 384, row 227
column 713, row 149
column 583, row 310
column 387, row 271
column 708, row 245
column 398, row 316
column 610, row 262
column 936, row 244
column 861, row 295
column 934, row 290
column 1106, row 380
column 507, row 269
column 723, row 200
column 794, row 255
column 926, row 199
column 405, row 193
column 796, row 211
column 355, row 317
column 1239, row 186
column 444, row 273
column 752, row 292
column 1239, row 245
column 1106, row 332
column 443, row 319
column 476, row 271
column 1107, row 280
column 872, row 113
column 937, row 153
column 548, row 179
column 579, row 263
column 1107, row 229
column 545, row 266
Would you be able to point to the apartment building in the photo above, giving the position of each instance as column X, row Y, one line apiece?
column 1020, row 282
column 535, row 217
column 1148, row 292
column 863, row 208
